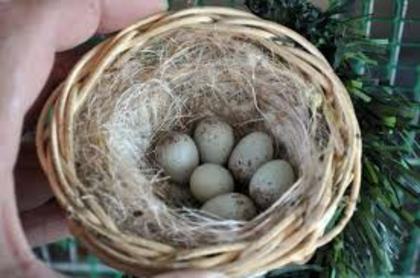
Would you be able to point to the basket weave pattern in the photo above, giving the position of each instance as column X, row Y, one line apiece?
column 292, row 240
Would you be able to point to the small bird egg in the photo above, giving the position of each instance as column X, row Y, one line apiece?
column 177, row 154
column 271, row 181
column 214, row 139
column 235, row 206
column 251, row 151
column 210, row 180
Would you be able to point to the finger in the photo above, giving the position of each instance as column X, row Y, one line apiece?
column 191, row 274
column 54, row 25
column 32, row 189
column 118, row 14
column 44, row 224
column 97, row 15
column 115, row 15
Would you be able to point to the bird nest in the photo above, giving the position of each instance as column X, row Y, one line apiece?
column 97, row 135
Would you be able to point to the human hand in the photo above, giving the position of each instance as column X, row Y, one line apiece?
column 31, row 32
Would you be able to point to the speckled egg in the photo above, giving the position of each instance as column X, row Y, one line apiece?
column 210, row 180
column 251, row 152
column 178, row 155
column 271, row 181
column 235, row 206
column 214, row 139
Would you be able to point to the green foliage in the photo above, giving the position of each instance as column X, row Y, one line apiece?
column 374, row 240
column 321, row 28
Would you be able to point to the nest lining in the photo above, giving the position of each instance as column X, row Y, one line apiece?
column 170, row 83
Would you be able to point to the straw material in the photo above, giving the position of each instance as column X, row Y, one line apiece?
column 278, row 236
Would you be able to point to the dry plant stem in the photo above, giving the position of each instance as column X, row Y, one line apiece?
column 97, row 134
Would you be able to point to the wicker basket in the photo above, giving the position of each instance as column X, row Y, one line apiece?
column 291, row 241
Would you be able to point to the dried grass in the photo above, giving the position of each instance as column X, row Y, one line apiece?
column 169, row 84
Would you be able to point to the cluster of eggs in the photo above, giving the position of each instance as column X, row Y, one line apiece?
column 250, row 163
